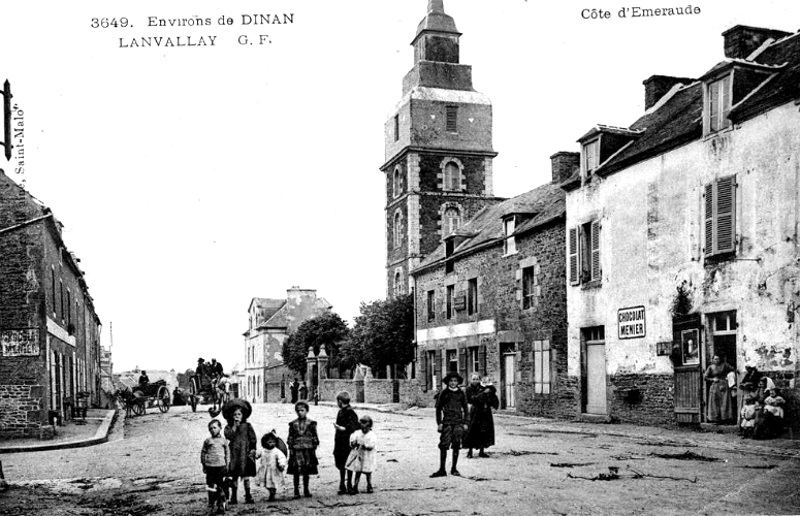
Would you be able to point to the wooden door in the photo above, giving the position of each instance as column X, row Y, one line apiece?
column 509, row 389
column 688, row 391
column 596, row 378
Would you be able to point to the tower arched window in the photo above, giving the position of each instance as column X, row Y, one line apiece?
column 397, row 186
column 451, row 220
column 398, row 283
column 398, row 230
column 452, row 177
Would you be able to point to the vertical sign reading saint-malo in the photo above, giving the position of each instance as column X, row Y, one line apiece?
column 630, row 322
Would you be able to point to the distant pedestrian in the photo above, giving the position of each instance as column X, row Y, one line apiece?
column 451, row 419
column 304, row 391
column 303, row 441
column 482, row 398
column 293, row 389
column 272, row 470
column 346, row 423
column 243, row 443
column 215, row 457
column 362, row 457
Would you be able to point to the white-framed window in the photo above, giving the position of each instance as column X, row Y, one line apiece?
column 398, row 230
column 472, row 296
column 590, row 157
column 451, row 122
column 717, row 104
column 528, row 287
column 451, row 220
column 431, row 305
column 541, row 367
column 584, row 253
column 452, row 360
column 473, row 358
column 510, row 242
column 720, row 216
column 452, row 177
column 397, row 182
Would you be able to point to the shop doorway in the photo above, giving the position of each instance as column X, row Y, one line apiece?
column 594, row 365
column 507, row 377
column 722, row 341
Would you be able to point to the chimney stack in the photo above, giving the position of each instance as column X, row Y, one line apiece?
column 564, row 164
column 741, row 40
column 656, row 86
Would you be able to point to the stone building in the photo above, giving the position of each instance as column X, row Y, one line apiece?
column 683, row 231
column 49, row 330
column 492, row 299
column 270, row 323
column 438, row 150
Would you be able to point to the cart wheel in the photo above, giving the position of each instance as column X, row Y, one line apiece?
column 138, row 407
column 193, row 393
column 163, row 399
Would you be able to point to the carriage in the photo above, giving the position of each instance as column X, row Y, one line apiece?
column 137, row 399
column 204, row 388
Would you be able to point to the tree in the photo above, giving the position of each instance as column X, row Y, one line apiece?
column 328, row 330
column 383, row 334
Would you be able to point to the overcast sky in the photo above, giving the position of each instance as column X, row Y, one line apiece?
column 192, row 179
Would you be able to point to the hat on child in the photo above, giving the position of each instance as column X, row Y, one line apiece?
column 453, row 374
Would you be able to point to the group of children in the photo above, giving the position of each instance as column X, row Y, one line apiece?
column 232, row 454
column 762, row 417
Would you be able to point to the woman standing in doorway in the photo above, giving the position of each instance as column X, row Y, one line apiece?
column 720, row 405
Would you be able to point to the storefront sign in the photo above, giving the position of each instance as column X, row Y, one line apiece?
column 630, row 322
column 17, row 343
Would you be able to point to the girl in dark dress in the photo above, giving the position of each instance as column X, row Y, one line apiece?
column 243, row 441
column 302, row 442
column 482, row 397
column 346, row 423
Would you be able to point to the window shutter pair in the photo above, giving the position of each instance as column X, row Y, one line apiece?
column 576, row 254
column 720, row 206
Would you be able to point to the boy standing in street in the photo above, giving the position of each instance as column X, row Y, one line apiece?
column 451, row 418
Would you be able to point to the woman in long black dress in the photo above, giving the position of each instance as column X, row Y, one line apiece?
column 482, row 397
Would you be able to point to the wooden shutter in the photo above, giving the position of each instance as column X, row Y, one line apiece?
column 725, row 205
column 709, row 228
column 482, row 359
column 437, row 367
column 573, row 253
column 462, row 361
column 595, row 246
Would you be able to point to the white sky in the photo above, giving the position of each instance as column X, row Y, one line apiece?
column 190, row 180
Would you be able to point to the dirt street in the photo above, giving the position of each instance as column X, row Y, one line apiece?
column 156, row 469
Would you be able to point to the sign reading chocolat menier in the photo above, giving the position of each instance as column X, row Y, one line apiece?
column 17, row 343
column 630, row 322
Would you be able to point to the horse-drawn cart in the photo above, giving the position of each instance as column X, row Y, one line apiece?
column 137, row 400
column 205, row 389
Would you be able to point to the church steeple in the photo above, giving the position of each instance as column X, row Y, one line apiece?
column 437, row 36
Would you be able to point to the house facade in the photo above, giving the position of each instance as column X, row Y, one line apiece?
column 491, row 299
column 682, row 232
column 270, row 323
column 438, row 150
column 49, row 330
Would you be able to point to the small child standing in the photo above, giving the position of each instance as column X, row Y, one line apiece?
column 271, row 472
column 215, row 457
column 346, row 423
column 243, row 444
column 747, row 423
column 362, row 457
column 303, row 441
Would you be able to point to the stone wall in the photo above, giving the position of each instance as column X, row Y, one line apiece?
column 652, row 406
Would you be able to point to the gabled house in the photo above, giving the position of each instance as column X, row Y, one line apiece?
column 270, row 323
column 682, row 232
column 491, row 299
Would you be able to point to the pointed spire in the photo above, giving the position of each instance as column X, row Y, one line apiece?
column 436, row 6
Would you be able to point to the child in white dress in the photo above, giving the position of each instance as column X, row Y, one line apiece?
column 363, row 458
column 272, row 468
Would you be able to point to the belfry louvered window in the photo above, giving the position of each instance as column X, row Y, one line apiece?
column 452, row 119
column 583, row 253
column 720, row 216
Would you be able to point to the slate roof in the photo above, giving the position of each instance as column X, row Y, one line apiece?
column 543, row 204
column 679, row 119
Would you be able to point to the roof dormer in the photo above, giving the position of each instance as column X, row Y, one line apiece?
column 601, row 143
column 726, row 84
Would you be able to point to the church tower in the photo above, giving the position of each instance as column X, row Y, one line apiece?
column 438, row 150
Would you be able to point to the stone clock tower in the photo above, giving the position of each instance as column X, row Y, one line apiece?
column 438, row 150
